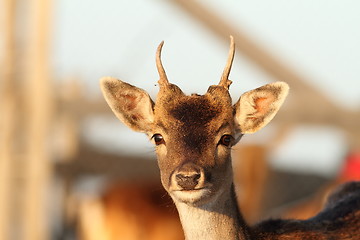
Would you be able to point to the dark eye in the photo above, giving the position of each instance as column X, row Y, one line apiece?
column 226, row 140
column 158, row 139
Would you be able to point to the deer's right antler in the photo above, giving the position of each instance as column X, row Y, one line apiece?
column 163, row 81
column 224, row 81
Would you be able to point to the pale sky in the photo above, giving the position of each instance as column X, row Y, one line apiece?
column 320, row 39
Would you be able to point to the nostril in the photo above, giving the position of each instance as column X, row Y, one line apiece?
column 196, row 177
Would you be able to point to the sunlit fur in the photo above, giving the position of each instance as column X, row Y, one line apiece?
column 195, row 166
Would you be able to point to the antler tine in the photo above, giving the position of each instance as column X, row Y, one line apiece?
column 224, row 81
column 163, row 78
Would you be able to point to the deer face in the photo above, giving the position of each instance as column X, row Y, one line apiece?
column 193, row 137
column 194, row 134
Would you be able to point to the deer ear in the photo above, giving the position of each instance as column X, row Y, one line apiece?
column 257, row 107
column 132, row 105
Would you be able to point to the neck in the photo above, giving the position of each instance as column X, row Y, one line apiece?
column 220, row 219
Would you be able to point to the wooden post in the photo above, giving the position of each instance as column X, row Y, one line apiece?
column 7, row 113
column 250, row 174
column 38, row 108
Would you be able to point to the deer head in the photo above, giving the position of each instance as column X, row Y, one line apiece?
column 194, row 134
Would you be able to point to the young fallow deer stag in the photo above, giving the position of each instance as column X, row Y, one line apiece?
column 193, row 137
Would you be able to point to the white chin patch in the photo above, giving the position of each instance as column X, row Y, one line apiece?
column 192, row 196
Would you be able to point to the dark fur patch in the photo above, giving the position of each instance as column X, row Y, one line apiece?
column 194, row 115
column 196, row 110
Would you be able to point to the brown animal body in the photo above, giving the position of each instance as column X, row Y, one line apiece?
column 193, row 137
column 130, row 211
column 312, row 205
column 338, row 220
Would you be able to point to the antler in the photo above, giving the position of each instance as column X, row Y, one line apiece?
column 163, row 81
column 224, row 81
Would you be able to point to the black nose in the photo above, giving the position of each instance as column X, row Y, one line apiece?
column 187, row 176
column 187, row 181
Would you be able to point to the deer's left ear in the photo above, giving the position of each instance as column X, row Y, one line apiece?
column 257, row 107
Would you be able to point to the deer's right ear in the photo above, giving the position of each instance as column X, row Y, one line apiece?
column 132, row 105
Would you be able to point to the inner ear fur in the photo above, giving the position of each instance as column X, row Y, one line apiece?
column 257, row 107
column 132, row 105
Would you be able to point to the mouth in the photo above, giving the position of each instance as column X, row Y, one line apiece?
column 193, row 196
